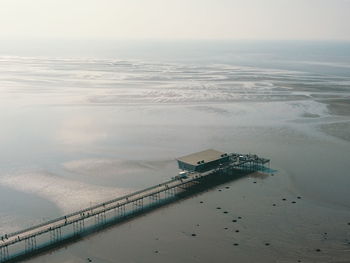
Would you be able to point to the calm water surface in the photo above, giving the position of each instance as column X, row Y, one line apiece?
column 76, row 131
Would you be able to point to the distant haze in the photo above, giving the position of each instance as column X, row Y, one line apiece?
column 176, row 19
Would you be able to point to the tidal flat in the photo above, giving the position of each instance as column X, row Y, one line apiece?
column 80, row 131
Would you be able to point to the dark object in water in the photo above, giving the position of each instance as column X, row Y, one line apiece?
column 267, row 244
column 227, row 187
column 237, row 231
column 188, row 185
column 318, row 250
column 225, row 212
column 235, row 244
column 284, row 199
column 193, row 235
column 156, row 251
column 254, row 182
column 234, row 220
column 293, row 202
column 218, row 207
column 299, row 197
column 274, row 205
column 239, row 217
column 201, row 202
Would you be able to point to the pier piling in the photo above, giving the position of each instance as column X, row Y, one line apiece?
column 75, row 224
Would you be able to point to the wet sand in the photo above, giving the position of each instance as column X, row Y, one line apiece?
column 340, row 106
column 338, row 128
column 123, row 124
column 249, row 220
column 300, row 214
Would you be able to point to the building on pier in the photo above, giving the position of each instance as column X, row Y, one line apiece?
column 41, row 237
column 203, row 161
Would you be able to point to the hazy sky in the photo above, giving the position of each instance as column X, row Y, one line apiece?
column 178, row 19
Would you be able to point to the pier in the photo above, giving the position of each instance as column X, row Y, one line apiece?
column 32, row 240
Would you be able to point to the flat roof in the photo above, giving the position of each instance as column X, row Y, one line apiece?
column 206, row 156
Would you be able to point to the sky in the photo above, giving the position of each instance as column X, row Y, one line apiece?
column 176, row 19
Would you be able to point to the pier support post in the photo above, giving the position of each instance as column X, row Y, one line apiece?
column 30, row 244
column 155, row 197
column 138, row 204
column 99, row 219
column 78, row 226
column 134, row 206
column 1, row 254
column 56, row 234
column 4, row 253
column 121, row 210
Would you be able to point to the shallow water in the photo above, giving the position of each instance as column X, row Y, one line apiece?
column 77, row 131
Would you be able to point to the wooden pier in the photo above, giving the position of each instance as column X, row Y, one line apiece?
column 32, row 240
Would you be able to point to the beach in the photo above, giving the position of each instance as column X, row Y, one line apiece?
column 78, row 131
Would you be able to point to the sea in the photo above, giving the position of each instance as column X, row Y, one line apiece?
column 85, row 121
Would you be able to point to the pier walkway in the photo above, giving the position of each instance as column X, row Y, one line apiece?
column 36, row 238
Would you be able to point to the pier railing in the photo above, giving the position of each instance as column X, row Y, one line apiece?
column 42, row 236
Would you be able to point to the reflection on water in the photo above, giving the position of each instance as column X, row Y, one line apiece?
column 75, row 131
